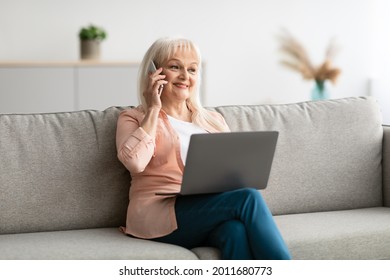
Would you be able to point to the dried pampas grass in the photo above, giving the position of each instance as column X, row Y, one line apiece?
column 298, row 59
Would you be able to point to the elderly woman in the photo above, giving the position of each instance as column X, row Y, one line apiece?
column 152, row 142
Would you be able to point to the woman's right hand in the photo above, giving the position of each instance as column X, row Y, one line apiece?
column 152, row 96
column 153, row 91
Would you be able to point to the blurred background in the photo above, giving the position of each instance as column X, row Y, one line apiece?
column 237, row 39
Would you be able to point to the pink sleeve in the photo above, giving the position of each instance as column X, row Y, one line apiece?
column 134, row 146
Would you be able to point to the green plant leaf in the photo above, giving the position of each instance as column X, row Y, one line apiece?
column 92, row 32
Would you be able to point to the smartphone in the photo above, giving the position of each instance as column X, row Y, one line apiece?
column 152, row 68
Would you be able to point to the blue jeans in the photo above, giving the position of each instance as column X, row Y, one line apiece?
column 238, row 223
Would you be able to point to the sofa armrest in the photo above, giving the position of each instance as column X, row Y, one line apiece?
column 386, row 165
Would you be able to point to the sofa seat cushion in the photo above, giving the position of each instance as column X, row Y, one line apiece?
column 348, row 234
column 98, row 244
column 207, row 253
column 345, row 235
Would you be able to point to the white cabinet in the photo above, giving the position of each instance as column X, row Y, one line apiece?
column 57, row 87
column 100, row 87
column 32, row 89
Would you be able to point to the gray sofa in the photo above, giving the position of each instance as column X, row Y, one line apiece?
column 63, row 192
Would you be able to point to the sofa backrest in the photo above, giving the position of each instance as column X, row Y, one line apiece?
column 328, row 155
column 60, row 171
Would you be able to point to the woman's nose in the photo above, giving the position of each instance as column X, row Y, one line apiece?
column 184, row 74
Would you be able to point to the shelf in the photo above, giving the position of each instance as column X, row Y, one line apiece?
column 76, row 63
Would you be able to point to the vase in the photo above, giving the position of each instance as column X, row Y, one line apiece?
column 320, row 91
column 90, row 49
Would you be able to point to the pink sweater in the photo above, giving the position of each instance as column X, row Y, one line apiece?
column 155, row 165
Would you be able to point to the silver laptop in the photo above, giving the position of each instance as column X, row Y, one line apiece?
column 220, row 162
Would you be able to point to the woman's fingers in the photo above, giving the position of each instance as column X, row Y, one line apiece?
column 154, row 89
column 156, row 76
column 157, row 81
column 158, row 85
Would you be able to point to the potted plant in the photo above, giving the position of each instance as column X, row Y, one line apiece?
column 90, row 38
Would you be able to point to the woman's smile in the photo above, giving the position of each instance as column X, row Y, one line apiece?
column 181, row 85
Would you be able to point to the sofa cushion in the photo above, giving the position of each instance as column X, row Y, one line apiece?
column 89, row 244
column 328, row 155
column 347, row 235
column 344, row 235
column 60, row 171
column 207, row 253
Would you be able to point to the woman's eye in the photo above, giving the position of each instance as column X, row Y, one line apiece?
column 191, row 70
column 174, row 67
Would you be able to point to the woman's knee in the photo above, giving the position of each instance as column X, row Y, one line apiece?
column 248, row 193
column 251, row 195
column 251, row 192
column 252, row 203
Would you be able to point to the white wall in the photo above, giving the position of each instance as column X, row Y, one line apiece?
column 236, row 37
column 380, row 76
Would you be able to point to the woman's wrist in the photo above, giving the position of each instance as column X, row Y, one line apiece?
column 154, row 110
column 149, row 123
